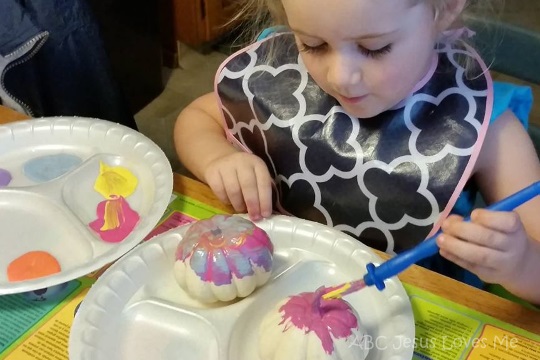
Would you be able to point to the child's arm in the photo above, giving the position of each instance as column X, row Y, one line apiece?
column 236, row 177
column 501, row 248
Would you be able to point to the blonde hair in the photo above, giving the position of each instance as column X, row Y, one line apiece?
column 262, row 14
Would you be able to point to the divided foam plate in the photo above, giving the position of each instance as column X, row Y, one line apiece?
column 136, row 310
column 49, row 211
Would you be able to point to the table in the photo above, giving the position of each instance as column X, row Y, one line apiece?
column 7, row 115
column 427, row 280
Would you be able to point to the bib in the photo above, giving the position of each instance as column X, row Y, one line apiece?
column 389, row 180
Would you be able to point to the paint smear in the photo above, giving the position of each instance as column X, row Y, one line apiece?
column 32, row 265
column 225, row 246
column 328, row 319
column 115, row 181
column 49, row 167
column 115, row 220
column 5, row 177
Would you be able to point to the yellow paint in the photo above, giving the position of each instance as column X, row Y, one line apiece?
column 111, row 218
column 115, row 181
column 336, row 294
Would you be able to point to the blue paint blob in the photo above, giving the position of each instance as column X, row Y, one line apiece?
column 49, row 167
column 5, row 177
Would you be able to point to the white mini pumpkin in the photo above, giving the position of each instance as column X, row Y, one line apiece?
column 222, row 258
column 305, row 326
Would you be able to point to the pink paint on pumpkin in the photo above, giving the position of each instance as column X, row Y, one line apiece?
column 115, row 220
column 328, row 319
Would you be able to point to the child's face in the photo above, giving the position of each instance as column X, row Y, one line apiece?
column 368, row 54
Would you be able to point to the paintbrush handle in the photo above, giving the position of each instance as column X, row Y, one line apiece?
column 377, row 274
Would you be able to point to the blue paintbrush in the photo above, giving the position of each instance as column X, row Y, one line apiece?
column 377, row 274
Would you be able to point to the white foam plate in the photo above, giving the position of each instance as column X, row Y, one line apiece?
column 136, row 310
column 53, row 214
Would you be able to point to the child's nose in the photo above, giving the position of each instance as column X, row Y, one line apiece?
column 344, row 71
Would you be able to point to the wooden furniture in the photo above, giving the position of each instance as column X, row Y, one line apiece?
column 7, row 115
column 450, row 289
column 197, row 22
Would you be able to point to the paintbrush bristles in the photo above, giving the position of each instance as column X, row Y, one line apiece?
column 344, row 289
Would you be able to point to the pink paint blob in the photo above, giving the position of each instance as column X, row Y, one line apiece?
column 328, row 319
column 115, row 220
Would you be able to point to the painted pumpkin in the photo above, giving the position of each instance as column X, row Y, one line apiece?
column 306, row 326
column 222, row 258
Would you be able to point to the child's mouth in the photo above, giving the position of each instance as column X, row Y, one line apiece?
column 352, row 100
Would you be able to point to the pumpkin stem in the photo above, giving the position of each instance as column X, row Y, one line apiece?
column 216, row 232
column 317, row 298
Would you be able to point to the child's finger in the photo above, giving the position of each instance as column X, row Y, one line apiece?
column 497, row 220
column 475, row 233
column 250, row 194
column 469, row 252
column 216, row 184
column 233, row 190
column 264, row 185
column 484, row 272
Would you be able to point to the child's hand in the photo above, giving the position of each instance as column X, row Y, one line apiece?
column 242, row 180
column 494, row 245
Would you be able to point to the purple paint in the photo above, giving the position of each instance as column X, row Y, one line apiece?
column 5, row 177
column 328, row 319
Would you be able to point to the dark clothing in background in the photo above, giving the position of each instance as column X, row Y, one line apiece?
column 53, row 63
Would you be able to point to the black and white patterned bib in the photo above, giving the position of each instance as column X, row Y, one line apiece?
column 385, row 180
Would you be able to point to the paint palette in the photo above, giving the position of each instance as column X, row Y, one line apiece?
column 136, row 310
column 57, row 175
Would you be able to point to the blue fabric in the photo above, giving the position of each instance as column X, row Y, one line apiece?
column 505, row 96
column 517, row 98
column 70, row 74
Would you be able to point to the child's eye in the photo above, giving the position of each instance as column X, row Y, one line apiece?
column 375, row 53
column 313, row 49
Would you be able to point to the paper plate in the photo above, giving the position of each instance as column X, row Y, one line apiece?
column 136, row 310
column 48, row 168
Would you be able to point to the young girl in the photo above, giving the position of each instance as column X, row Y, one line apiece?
column 372, row 117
